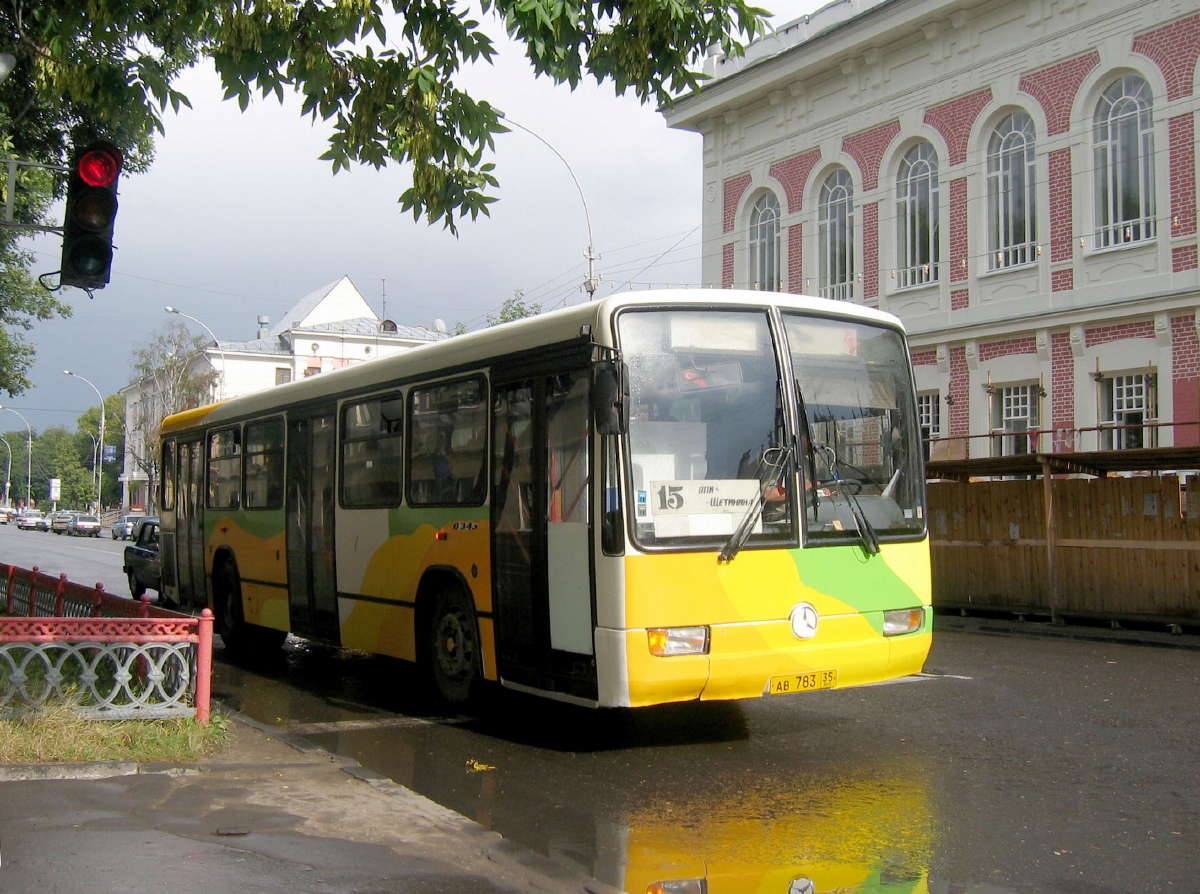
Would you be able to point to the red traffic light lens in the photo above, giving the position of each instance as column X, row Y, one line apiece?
column 99, row 165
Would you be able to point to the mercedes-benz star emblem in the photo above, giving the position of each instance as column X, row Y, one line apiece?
column 804, row 620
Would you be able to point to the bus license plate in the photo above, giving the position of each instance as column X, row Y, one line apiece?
column 782, row 685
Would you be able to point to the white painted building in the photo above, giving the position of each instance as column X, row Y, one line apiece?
column 330, row 328
column 1015, row 179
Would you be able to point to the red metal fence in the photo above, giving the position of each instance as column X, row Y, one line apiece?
column 42, row 609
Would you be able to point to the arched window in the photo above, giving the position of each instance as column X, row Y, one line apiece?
column 1011, row 195
column 764, row 243
column 836, row 236
column 917, row 217
column 1123, row 158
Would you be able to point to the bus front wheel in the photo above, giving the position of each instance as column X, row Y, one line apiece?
column 453, row 647
column 240, row 638
column 227, row 596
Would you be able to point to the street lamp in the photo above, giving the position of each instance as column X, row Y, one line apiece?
column 8, row 472
column 29, row 466
column 216, row 342
column 100, row 464
column 591, row 282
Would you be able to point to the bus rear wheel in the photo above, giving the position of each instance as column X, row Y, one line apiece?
column 453, row 647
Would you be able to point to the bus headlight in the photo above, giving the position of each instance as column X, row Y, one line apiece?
column 679, row 886
column 903, row 620
column 666, row 641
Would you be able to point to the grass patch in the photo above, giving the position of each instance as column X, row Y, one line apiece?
column 59, row 735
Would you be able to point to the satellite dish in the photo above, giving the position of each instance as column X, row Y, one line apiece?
column 439, row 326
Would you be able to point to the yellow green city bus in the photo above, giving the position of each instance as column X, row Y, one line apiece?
column 653, row 497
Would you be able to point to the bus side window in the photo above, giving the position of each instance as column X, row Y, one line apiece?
column 447, row 459
column 263, row 487
column 224, row 469
column 372, row 447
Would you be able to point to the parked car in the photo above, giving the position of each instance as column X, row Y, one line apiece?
column 7, row 514
column 142, row 566
column 123, row 527
column 33, row 520
column 58, row 520
column 84, row 526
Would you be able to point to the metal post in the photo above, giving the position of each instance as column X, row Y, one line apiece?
column 100, row 464
column 95, row 456
column 8, row 472
column 204, row 667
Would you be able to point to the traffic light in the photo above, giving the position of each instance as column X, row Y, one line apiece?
column 91, row 210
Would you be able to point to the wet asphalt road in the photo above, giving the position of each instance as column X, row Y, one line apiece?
column 1015, row 764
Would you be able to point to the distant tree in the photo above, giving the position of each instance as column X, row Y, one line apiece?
column 383, row 74
column 172, row 375
column 514, row 308
column 53, row 451
column 77, row 482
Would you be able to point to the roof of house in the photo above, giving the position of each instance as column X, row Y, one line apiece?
column 304, row 307
column 363, row 327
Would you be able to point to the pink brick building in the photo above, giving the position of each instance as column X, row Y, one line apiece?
column 1015, row 180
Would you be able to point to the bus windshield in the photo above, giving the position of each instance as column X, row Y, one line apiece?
column 862, row 459
column 706, row 411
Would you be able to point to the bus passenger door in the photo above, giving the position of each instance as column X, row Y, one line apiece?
column 541, row 533
column 311, row 474
column 189, row 524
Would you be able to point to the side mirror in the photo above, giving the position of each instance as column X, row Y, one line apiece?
column 610, row 397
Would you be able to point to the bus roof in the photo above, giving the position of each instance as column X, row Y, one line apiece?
column 477, row 348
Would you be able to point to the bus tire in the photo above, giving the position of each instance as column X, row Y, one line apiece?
column 241, row 638
column 227, row 600
column 453, row 647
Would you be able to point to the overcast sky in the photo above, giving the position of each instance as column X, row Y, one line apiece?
column 238, row 217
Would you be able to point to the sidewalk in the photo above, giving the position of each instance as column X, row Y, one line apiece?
column 1094, row 632
column 271, row 813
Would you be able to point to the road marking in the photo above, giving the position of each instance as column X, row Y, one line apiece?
column 946, row 676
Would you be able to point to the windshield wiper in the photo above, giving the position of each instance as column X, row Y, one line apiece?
column 806, row 443
column 866, row 532
column 767, row 473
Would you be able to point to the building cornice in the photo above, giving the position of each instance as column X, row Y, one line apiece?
column 785, row 60
column 1174, row 302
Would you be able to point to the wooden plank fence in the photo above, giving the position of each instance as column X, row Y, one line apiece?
column 1121, row 548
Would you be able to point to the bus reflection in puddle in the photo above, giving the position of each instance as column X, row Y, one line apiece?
column 845, row 834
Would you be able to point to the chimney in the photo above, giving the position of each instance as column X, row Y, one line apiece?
column 264, row 326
